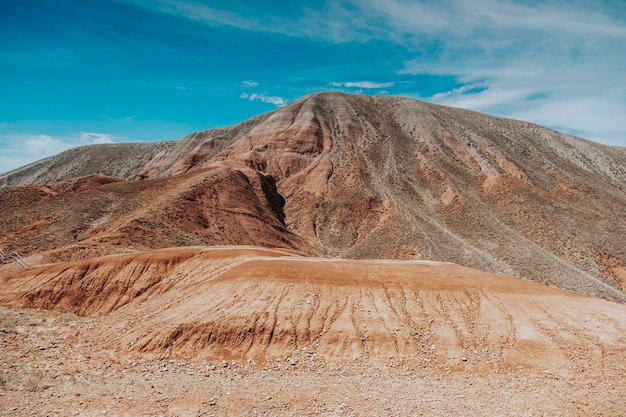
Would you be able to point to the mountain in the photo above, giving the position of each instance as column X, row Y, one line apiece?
column 342, row 176
column 115, row 159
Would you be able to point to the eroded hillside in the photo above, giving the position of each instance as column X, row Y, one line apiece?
column 353, row 177
column 254, row 304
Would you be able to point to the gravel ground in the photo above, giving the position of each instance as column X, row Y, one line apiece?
column 49, row 368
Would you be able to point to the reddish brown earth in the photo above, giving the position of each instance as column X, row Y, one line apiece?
column 94, row 215
column 245, row 330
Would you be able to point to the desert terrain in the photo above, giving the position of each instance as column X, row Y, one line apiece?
column 253, row 331
column 342, row 255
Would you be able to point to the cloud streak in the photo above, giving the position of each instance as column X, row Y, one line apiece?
column 367, row 85
column 275, row 100
column 22, row 149
column 359, row 20
column 92, row 138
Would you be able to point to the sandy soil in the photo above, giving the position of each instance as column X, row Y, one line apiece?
column 49, row 369
column 184, row 334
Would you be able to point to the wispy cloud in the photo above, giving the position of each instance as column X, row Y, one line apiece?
column 275, row 100
column 456, row 92
column 120, row 119
column 327, row 20
column 22, row 149
column 89, row 138
column 358, row 20
column 367, row 85
column 479, row 19
column 554, row 62
column 19, row 150
column 39, row 145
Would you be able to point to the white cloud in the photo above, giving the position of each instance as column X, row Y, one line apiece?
column 359, row 20
column 250, row 83
column 88, row 138
column 329, row 23
column 18, row 150
column 467, row 88
column 573, row 116
column 21, row 149
column 363, row 84
column 44, row 145
column 275, row 100
column 562, row 101
column 553, row 64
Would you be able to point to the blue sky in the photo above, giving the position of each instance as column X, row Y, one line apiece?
column 76, row 72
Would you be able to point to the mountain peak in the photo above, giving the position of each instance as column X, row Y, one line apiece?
column 357, row 176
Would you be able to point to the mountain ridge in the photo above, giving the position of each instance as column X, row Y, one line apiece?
column 363, row 177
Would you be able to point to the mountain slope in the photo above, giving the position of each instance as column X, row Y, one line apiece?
column 123, row 160
column 385, row 177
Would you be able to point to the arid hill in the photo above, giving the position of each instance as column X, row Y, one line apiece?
column 249, row 303
column 237, row 330
column 346, row 176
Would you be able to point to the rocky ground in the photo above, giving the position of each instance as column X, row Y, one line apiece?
column 49, row 368
column 251, row 331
